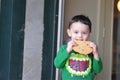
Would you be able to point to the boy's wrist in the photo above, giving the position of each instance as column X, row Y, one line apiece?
column 96, row 56
column 68, row 50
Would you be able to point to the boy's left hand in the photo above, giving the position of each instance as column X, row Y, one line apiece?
column 95, row 50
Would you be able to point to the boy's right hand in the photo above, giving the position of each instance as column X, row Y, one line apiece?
column 70, row 44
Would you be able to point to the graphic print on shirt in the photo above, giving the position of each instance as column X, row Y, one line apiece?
column 79, row 64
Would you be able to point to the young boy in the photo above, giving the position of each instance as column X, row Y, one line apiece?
column 74, row 65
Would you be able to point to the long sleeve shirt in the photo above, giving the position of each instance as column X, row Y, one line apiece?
column 76, row 66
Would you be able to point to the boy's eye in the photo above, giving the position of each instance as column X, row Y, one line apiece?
column 76, row 32
column 84, row 33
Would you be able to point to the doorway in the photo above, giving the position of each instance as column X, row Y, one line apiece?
column 70, row 8
column 96, row 11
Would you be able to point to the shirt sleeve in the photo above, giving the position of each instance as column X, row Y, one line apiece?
column 61, row 57
column 97, row 65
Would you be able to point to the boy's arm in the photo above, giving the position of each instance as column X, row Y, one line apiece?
column 61, row 57
column 97, row 65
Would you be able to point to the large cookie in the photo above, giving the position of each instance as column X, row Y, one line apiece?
column 82, row 47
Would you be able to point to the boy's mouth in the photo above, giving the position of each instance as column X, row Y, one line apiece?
column 79, row 40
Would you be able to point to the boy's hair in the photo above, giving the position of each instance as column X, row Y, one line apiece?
column 81, row 18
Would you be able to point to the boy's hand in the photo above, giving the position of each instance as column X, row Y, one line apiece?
column 95, row 50
column 70, row 44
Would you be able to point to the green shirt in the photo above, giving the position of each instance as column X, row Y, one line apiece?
column 61, row 60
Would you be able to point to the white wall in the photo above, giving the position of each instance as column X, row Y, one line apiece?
column 87, row 7
column 33, row 40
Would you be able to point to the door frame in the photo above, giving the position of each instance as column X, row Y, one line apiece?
column 108, row 39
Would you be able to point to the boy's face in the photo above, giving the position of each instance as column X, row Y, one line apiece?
column 79, row 31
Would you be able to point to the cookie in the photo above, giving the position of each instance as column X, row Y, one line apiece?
column 82, row 47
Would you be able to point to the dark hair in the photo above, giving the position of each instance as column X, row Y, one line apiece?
column 81, row 18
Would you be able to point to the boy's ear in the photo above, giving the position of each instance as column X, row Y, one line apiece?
column 68, row 32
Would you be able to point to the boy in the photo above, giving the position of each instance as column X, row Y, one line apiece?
column 74, row 65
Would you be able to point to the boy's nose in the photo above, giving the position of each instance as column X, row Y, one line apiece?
column 79, row 35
